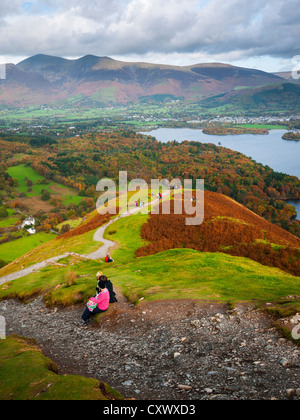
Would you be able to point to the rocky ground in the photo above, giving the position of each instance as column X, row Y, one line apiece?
column 177, row 350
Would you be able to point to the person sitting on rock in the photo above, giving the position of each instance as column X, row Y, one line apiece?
column 109, row 286
column 96, row 305
column 98, row 275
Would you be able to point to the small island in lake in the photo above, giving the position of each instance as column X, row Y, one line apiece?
column 291, row 135
column 221, row 130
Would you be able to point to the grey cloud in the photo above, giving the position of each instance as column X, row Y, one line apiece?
column 119, row 27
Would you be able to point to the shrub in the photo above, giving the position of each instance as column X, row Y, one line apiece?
column 3, row 213
column 46, row 195
column 2, row 263
column 65, row 228
column 90, row 192
column 70, row 278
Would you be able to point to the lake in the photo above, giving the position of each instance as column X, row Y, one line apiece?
column 295, row 203
column 281, row 155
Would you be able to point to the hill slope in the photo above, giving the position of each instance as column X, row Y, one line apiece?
column 281, row 96
column 95, row 80
column 174, row 273
column 229, row 228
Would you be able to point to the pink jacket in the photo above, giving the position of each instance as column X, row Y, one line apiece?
column 102, row 300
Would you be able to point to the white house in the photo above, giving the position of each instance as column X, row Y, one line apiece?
column 29, row 225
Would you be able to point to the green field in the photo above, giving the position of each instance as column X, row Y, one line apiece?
column 263, row 126
column 10, row 251
column 51, row 246
column 20, row 173
column 23, row 173
column 8, row 222
column 11, row 220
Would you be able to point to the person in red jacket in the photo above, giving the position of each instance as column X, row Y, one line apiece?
column 96, row 305
column 108, row 259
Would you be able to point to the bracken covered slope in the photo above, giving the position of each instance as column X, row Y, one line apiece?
column 228, row 227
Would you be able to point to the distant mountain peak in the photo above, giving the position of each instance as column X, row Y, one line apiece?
column 46, row 79
column 41, row 58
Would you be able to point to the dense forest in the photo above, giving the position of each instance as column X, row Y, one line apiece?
column 80, row 162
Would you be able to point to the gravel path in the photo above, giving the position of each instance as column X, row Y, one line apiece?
column 175, row 350
column 29, row 270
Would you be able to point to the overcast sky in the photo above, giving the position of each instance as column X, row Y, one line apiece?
column 261, row 34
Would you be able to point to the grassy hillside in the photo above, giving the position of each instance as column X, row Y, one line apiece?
column 127, row 234
column 229, row 228
column 187, row 274
column 79, row 240
column 10, row 251
column 277, row 97
column 21, row 358
column 172, row 274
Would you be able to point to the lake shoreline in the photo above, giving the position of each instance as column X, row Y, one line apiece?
column 269, row 150
column 296, row 204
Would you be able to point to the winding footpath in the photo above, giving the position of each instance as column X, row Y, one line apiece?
column 97, row 255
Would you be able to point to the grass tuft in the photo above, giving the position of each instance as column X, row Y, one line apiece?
column 70, row 278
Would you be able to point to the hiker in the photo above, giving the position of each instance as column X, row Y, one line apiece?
column 109, row 287
column 108, row 259
column 96, row 305
column 98, row 275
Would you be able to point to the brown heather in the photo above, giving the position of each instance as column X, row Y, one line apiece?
column 229, row 228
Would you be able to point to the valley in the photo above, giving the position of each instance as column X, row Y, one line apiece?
column 149, row 203
column 203, row 312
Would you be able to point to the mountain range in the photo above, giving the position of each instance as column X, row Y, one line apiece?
column 103, row 81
